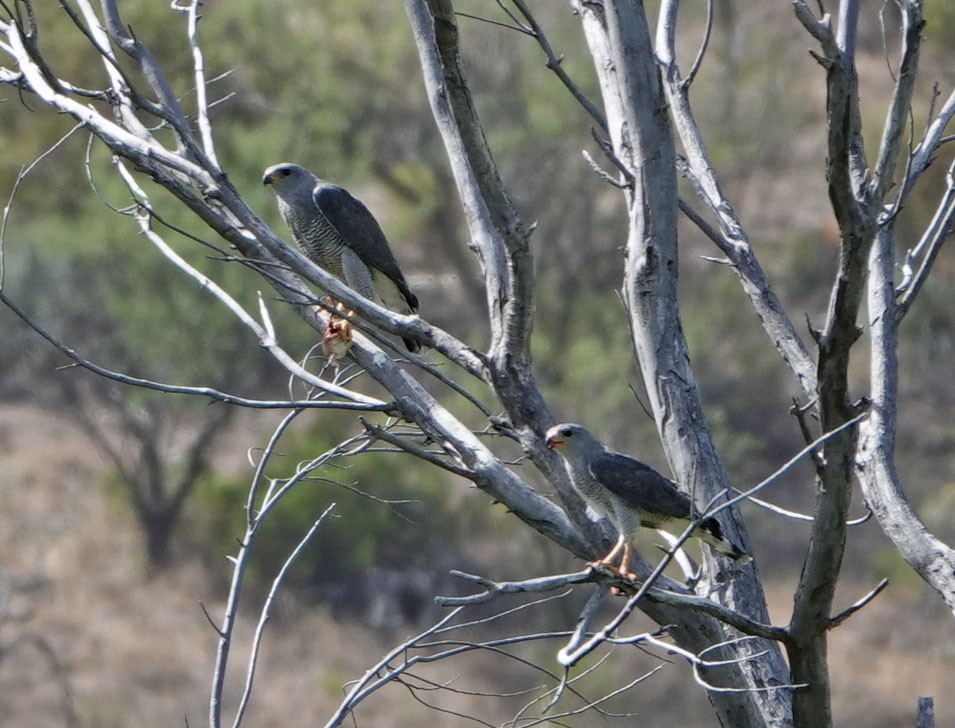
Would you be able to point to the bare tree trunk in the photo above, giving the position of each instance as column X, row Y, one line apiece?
column 639, row 127
column 644, row 102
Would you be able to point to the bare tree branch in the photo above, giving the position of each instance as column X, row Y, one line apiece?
column 264, row 615
column 731, row 237
column 191, row 9
column 901, row 107
column 923, row 551
column 362, row 403
column 848, row 612
column 640, row 129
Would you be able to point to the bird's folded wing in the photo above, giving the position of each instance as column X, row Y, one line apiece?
column 362, row 233
column 638, row 485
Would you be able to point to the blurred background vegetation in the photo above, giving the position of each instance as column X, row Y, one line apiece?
column 336, row 87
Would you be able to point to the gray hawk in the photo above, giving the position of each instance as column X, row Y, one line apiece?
column 336, row 231
column 631, row 494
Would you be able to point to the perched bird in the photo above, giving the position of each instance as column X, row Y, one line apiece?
column 336, row 231
column 631, row 494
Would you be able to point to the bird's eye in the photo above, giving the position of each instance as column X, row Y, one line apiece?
column 286, row 172
column 567, row 432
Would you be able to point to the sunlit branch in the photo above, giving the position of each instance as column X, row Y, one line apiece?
column 789, row 464
column 122, row 86
column 250, row 514
column 700, row 663
column 795, row 515
column 494, row 589
column 729, row 235
column 593, row 704
column 929, row 556
column 371, row 682
column 117, row 137
column 431, row 456
column 205, row 129
column 272, row 497
column 933, row 138
column 568, row 657
column 848, row 612
column 883, row 174
column 278, row 488
column 704, row 44
column 209, row 392
column 169, row 108
column 265, row 613
column 928, row 247
column 820, row 29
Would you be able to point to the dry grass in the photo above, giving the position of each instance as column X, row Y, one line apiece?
column 138, row 651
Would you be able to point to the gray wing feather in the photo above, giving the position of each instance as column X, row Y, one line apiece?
column 638, row 485
column 357, row 274
column 362, row 233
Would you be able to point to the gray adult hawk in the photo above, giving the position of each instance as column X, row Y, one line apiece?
column 336, row 231
column 631, row 494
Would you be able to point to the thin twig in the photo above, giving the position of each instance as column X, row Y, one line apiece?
column 848, row 612
column 202, row 104
column 209, row 392
column 698, row 61
column 250, row 512
column 554, row 64
column 700, row 663
column 796, row 516
column 22, row 175
column 419, row 452
column 264, row 615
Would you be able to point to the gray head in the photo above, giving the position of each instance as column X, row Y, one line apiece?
column 570, row 439
column 290, row 181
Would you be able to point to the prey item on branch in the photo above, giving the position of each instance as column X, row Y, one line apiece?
column 631, row 494
column 336, row 231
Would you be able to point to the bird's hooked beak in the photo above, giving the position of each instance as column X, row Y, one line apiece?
column 272, row 175
column 553, row 441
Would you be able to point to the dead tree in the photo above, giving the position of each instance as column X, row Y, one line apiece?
column 648, row 135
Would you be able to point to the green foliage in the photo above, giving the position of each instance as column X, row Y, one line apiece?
column 321, row 91
column 585, row 356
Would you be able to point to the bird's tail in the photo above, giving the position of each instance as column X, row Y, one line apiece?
column 711, row 532
column 399, row 298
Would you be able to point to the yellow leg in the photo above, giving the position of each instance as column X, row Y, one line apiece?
column 625, row 563
column 623, row 543
column 612, row 554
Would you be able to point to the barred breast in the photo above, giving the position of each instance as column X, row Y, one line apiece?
column 317, row 238
column 593, row 492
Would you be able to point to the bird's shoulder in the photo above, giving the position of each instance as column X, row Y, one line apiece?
column 626, row 476
column 323, row 191
column 613, row 464
column 336, row 201
column 356, row 225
